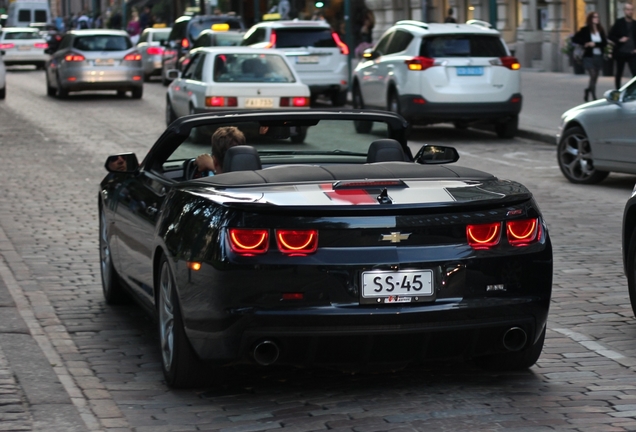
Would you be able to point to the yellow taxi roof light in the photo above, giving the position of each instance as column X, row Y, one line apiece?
column 220, row 27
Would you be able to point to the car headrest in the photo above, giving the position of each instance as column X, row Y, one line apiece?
column 241, row 158
column 386, row 150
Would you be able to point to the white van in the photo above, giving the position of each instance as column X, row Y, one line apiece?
column 21, row 13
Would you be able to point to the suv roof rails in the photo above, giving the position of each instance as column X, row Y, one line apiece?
column 479, row 23
column 419, row 24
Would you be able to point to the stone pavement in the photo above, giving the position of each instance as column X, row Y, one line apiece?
column 70, row 363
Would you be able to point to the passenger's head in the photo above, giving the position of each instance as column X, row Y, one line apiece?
column 628, row 9
column 223, row 139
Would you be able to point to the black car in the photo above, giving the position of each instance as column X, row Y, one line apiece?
column 185, row 31
column 343, row 250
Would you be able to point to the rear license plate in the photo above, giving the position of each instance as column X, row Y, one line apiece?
column 404, row 286
column 259, row 103
column 308, row 59
column 24, row 48
column 470, row 71
column 104, row 62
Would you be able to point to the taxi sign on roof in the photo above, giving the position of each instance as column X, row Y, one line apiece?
column 220, row 27
column 159, row 25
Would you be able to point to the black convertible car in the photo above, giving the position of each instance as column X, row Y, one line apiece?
column 324, row 242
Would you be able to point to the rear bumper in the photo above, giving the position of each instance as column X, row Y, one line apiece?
column 434, row 112
column 30, row 59
column 102, row 79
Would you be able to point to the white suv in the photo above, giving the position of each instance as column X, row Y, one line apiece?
column 314, row 50
column 434, row 73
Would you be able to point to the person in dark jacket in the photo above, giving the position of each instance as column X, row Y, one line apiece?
column 623, row 34
column 592, row 38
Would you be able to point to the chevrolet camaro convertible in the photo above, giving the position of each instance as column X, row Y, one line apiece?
column 343, row 250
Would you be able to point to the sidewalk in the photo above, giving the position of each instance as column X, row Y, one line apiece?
column 547, row 95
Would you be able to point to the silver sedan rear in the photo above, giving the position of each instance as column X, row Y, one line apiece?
column 95, row 60
column 23, row 46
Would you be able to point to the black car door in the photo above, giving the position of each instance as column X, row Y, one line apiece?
column 139, row 209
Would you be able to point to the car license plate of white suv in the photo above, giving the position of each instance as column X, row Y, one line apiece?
column 470, row 71
column 397, row 286
column 308, row 59
column 259, row 102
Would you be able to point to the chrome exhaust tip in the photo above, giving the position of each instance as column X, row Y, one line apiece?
column 266, row 352
column 515, row 339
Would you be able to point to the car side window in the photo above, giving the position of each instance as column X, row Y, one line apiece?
column 66, row 42
column 382, row 46
column 198, row 69
column 189, row 72
column 401, row 40
column 144, row 37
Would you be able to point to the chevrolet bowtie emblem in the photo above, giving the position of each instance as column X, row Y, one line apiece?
column 395, row 237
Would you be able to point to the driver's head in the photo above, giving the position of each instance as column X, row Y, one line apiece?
column 223, row 139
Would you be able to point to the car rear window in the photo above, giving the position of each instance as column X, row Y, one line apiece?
column 102, row 43
column 198, row 25
column 178, row 31
column 304, row 37
column 22, row 35
column 229, row 39
column 251, row 68
column 160, row 36
column 464, row 45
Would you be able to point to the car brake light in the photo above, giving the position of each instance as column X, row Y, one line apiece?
column 74, row 58
column 41, row 45
column 420, row 63
column 483, row 236
column 169, row 53
column 523, row 232
column 7, row 45
column 154, row 50
column 272, row 40
column 249, row 241
column 297, row 242
column 294, row 101
column 508, row 61
column 134, row 56
column 185, row 43
column 219, row 101
column 344, row 49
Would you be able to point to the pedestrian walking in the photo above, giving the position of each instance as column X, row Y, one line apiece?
column 623, row 35
column 134, row 28
column 450, row 18
column 592, row 38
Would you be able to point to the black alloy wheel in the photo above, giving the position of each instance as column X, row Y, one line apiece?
column 111, row 284
column 574, row 155
column 510, row 361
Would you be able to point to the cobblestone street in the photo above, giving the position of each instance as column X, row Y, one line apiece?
column 69, row 362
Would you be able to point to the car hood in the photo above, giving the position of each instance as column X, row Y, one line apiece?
column 588, row 105
column 418, row 193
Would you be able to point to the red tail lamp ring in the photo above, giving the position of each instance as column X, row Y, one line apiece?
column 249, row 241
column 523, row 232
column 297, row 242
column 483, row 236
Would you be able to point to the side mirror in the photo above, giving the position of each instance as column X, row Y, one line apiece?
column 433, row 154
column 369, row 54
column 173, row 74
column 122, row 163
column 613, row 96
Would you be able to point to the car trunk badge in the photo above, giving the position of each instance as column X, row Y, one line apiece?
column 395, row 237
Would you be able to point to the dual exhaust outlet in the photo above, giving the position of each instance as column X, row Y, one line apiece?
column 266, row 352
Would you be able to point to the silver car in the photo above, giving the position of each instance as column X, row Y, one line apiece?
column 23, row 46
column 3, row 79
column 95, row 60
column 151, row 49
column 598, row 137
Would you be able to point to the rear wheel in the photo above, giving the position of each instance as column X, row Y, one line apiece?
column 631, row 272
column 170, row 115
column 137, row 92
column 574, row 155
column 121, row 93
column 510, row 361
column 111, row 285
column 197, row 134
column 50, row 91
column 62, row 92
column 358, row 103
column 3, row 92
column 299, row 138
column 508, row 128
column 393, row 102
column 339, row 98
column 180, row 364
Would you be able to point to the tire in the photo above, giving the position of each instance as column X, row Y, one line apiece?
column 507, row 129
column 300, row 137
column 460, row 125
column 165, row 81
column 180, row 364
column 574, row 155
column 511, row 361
column 121, row 93
column 196, row 134
column 393, row 102
column 111, row 284
column 631, row 272
column 3, row 92
column 137, row 92
column 50, row 91
column 339, row 98
column 61, row 92
column 170, row 115
column 146, row 77
column 362, row 127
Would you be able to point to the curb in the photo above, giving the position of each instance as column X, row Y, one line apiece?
column 537, row 136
